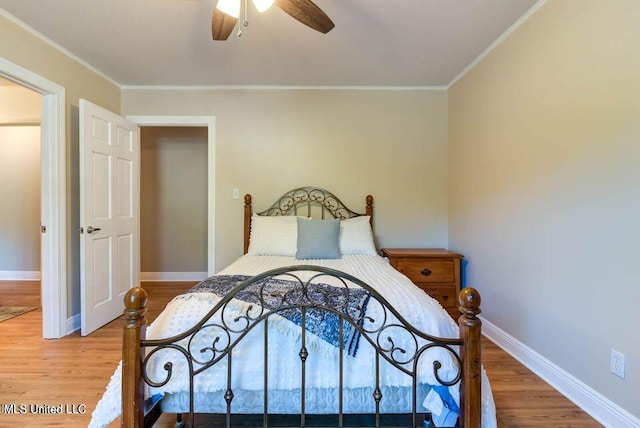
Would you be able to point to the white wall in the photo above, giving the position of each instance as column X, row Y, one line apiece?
column 544, row 138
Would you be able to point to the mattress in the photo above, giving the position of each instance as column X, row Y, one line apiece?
column 416, row 307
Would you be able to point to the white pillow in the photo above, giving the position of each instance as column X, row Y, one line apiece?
column 356, row 236
column 273, row 235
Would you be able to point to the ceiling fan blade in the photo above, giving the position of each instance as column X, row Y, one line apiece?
column 222, row 25
column 308, row 13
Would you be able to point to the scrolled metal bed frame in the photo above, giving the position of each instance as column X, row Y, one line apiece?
column 301, row 295
column 303, row 200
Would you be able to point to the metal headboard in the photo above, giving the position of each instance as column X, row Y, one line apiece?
column 301, row 201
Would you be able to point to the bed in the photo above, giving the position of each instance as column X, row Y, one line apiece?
column 311, row 327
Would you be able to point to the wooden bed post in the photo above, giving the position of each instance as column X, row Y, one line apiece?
column 470, row 388
column 135, row 330
column 247, row 221
column 369, row 210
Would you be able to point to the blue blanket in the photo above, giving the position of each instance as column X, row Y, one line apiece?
column 278, row 293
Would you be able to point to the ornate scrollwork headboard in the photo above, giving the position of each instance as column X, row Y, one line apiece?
column 302, row 201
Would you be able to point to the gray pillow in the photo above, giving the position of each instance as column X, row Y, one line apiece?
column 318, row 239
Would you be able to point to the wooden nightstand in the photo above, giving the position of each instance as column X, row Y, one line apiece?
column 435, row 270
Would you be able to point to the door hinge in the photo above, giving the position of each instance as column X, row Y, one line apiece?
column 43, row 229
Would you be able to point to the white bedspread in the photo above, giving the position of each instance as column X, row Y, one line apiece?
column 418, row 308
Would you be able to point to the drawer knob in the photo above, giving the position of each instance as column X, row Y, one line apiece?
column 445, row 298
column 426, row 271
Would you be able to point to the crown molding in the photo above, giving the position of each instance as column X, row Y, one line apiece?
column 497, row 41
column 279, row 87
column 54, row 45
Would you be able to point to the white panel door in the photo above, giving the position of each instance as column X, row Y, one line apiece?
column 109, row 213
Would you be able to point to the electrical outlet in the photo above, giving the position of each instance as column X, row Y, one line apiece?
column 617, row 363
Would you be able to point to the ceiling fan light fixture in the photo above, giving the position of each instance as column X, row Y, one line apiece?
column 262, row 5
column 225, row 15
column 230, row 7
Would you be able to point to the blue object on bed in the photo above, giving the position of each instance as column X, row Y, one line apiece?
column 318, row 239
column 450, row 410
column 278, row 293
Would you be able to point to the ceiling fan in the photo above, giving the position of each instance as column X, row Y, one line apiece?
column 227, row 12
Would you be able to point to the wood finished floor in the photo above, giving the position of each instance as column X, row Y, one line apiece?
column 75, row 370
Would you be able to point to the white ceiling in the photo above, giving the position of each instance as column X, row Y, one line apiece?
column 374, row 42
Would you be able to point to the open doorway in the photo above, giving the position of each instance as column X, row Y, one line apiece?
column 205, row 123
column 173, row 203
column 20, row 179
column 53, row 255
column 106, row 117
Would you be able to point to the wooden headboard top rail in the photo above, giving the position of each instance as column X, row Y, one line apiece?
column 300, row 201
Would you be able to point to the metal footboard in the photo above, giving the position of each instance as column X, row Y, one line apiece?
column 394, row 340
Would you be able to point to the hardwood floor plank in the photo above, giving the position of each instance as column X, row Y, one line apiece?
column 20, row 293
column 75, row 370
column 523, row 399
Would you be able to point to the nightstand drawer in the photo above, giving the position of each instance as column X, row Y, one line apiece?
column 445, row 294
column 428, row 271
column 434, row 270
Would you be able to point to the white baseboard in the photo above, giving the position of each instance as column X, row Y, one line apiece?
column 73, row 324
column 595, row 404
column 172, row 276
column 19, row 275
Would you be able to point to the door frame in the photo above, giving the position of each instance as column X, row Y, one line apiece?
column 53, row 197
column 210, row 123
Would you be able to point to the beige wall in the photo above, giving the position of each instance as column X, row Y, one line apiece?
column 173, row 199
column 391, row 144
column 20, row 196
column 19, row 179
column 22, row 48
column 545, row 187
column 18, row 105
